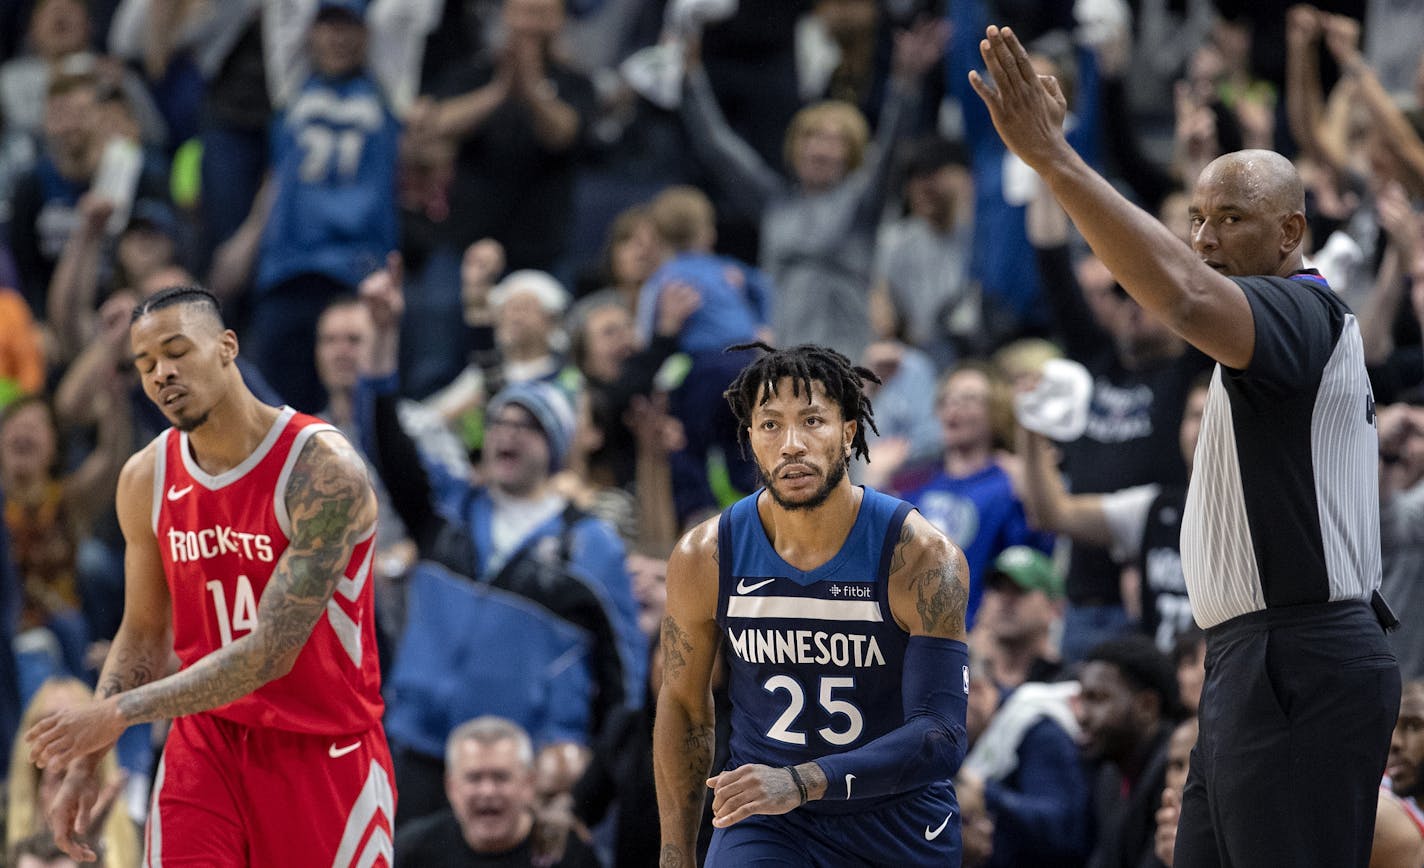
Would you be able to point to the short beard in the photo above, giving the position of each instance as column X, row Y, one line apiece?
column 187, row 426
column 834, row 476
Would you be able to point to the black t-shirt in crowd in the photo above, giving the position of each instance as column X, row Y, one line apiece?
column 507, row 186
column 436, row 842
column 1134, row 420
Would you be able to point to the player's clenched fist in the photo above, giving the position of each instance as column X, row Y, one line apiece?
column 752, row 789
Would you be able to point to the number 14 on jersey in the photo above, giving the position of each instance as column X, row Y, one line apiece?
column 243, row 614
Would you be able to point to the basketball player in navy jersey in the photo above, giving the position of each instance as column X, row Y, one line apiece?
column 840, row 614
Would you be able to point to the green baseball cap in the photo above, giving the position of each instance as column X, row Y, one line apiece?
column 1029, row 569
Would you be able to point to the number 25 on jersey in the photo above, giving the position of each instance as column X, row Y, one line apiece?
column 782, row 730
column 243, row 614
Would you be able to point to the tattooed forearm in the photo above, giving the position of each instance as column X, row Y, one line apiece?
column 697, row 745
column 940, row 598
column 683, row 740
column 131, row 665
column 331, row 508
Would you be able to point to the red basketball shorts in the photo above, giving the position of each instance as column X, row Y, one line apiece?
column 233, row 796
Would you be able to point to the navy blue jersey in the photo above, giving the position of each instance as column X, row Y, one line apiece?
column 334, row 154
column 814, row 658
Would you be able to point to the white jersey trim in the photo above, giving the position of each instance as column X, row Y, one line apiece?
column 279, row 493
column 227, row 477
column 803, row 608
column 160, row 472
column 153, row 858
column 375, row 801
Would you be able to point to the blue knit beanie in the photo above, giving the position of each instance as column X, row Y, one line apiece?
column 550, row 408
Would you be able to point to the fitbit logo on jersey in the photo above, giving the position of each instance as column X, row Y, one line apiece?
column 212, row 542
column 806, row 646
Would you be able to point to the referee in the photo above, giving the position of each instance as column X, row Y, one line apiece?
column 1280, row 537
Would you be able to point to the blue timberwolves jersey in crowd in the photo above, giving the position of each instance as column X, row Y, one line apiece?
column 334, row 152
column 814, row 658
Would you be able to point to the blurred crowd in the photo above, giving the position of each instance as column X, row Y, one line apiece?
column 504, row 246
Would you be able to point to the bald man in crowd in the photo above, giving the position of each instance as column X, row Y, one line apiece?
column 1280, row 536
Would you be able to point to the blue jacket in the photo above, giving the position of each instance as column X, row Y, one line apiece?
column 736, row 301
column 1041, row 810
column 571, row 566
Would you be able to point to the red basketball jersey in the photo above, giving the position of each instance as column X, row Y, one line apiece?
column 220, row 538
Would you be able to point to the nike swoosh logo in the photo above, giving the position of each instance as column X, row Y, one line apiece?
column 931, row 835
column 175, row 493
column 336, row 752
column 744, row 588
column 849, row 778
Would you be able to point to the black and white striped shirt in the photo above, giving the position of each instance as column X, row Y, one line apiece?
column 1283, row 507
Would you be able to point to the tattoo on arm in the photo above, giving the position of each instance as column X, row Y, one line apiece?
column 897, row 561
column 698, row 742
column 331, row 508
column 940, row 598
column 130, row 667
column 684, row 789
column 676, row 646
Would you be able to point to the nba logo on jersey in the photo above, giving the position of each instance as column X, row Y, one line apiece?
column 966, row 680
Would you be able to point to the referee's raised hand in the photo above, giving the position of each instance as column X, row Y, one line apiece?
column 1027, row 108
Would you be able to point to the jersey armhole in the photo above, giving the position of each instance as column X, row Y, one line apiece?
column 294, row 452
column 724, row 563
column 887, row 553
column 160, row 470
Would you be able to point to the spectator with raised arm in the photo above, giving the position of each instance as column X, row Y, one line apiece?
column 818, row 226
column 1142, row 373
column 487, row 551
column 1005, row 268
column 1140, row 525
column 519, row 115
column 333, row 212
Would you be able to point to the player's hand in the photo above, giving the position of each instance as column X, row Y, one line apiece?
column 751, row 789
column 1027, row 108
column 80, row 806
column 61, row 737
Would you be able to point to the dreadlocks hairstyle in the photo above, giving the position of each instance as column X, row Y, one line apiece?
column 843, row 382
column 179, row 295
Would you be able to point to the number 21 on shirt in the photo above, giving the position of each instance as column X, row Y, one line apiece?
column 243, row 614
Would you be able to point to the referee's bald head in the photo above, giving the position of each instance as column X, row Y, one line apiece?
column 1248, row 215
column 1265, row 178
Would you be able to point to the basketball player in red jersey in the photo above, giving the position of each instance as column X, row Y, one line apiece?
column 249, row 542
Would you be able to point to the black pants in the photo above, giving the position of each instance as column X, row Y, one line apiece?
column 1296, row 716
